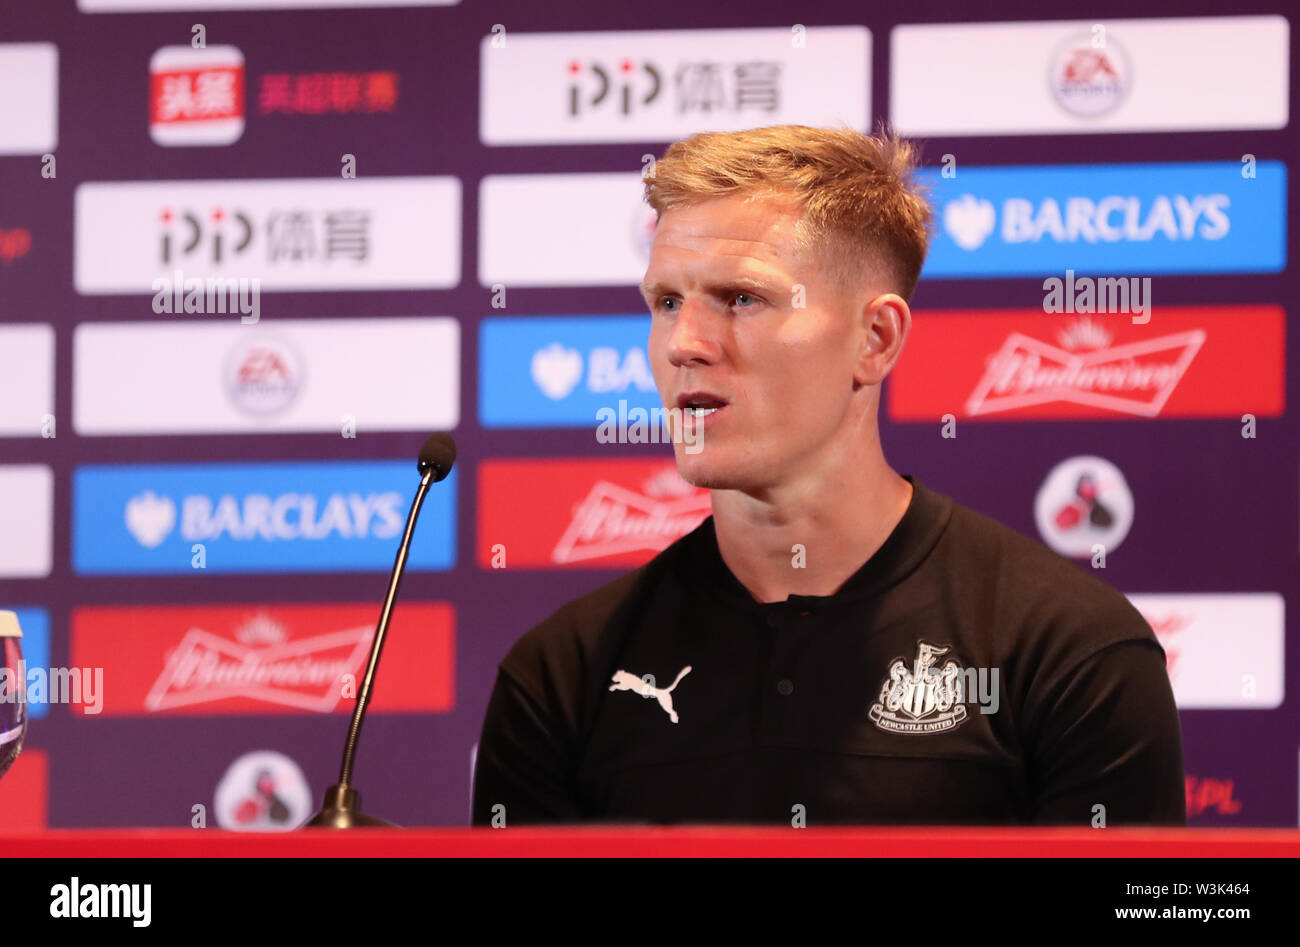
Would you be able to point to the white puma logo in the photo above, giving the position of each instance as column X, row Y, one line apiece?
column 623, row 681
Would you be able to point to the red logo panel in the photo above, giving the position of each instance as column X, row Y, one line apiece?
column 585, row 514
column 25, row 793
column 1021, row 364
column 265, row 659
column 198, row 94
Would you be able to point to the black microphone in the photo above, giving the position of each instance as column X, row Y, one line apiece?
column 342, row 808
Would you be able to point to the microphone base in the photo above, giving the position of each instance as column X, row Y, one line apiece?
column 342, row 810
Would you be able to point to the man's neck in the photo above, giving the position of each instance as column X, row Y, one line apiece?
column 808, row 545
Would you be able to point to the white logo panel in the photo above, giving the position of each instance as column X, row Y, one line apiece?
column 388, row 374
column 661, row 85
column 1223, row 651
column 29, row 109
column 26, row 521
column 563, row 229
column 1086, row 77
column 26, row 379
column 291, row 234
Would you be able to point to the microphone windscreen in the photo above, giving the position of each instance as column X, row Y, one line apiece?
column 438, row 452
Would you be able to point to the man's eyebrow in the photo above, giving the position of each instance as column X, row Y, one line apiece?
column 653, row 288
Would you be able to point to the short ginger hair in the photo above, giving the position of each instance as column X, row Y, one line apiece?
column 861, row 206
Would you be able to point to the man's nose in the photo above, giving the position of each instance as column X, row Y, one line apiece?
column 693, row 338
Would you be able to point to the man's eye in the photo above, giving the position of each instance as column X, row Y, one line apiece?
column 739, row 296
column 665, row 301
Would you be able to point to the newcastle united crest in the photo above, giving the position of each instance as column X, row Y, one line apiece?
column 922, row 698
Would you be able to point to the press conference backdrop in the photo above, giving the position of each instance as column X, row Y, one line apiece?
column 421, row 216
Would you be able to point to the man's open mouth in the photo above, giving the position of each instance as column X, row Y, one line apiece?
column 700, row 404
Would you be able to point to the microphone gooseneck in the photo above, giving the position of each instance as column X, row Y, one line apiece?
column 342, row 803
column 381, row 631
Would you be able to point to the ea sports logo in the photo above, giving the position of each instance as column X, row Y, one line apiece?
column 263, row 376
column 1090, row 75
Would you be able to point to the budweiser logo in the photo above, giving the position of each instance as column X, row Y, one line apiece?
column 614, row 520
column 1136, row 378
column 304, row 673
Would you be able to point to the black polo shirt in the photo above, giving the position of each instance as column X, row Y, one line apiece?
column 855, row 707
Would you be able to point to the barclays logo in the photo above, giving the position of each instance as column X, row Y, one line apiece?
column 970, row 220
column 557, row 370
column 325, row 517
column 150, row 518
column 1134, row 218
column 562, row 371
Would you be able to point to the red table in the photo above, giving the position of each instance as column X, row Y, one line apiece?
column 664, row 842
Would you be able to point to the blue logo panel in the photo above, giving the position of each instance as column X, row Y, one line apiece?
column 559, row 371
column 282, row 517
column 1122, row 219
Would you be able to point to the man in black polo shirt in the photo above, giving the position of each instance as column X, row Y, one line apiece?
column 837, row 643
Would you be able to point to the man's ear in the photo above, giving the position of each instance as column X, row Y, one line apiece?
column 885, row 323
